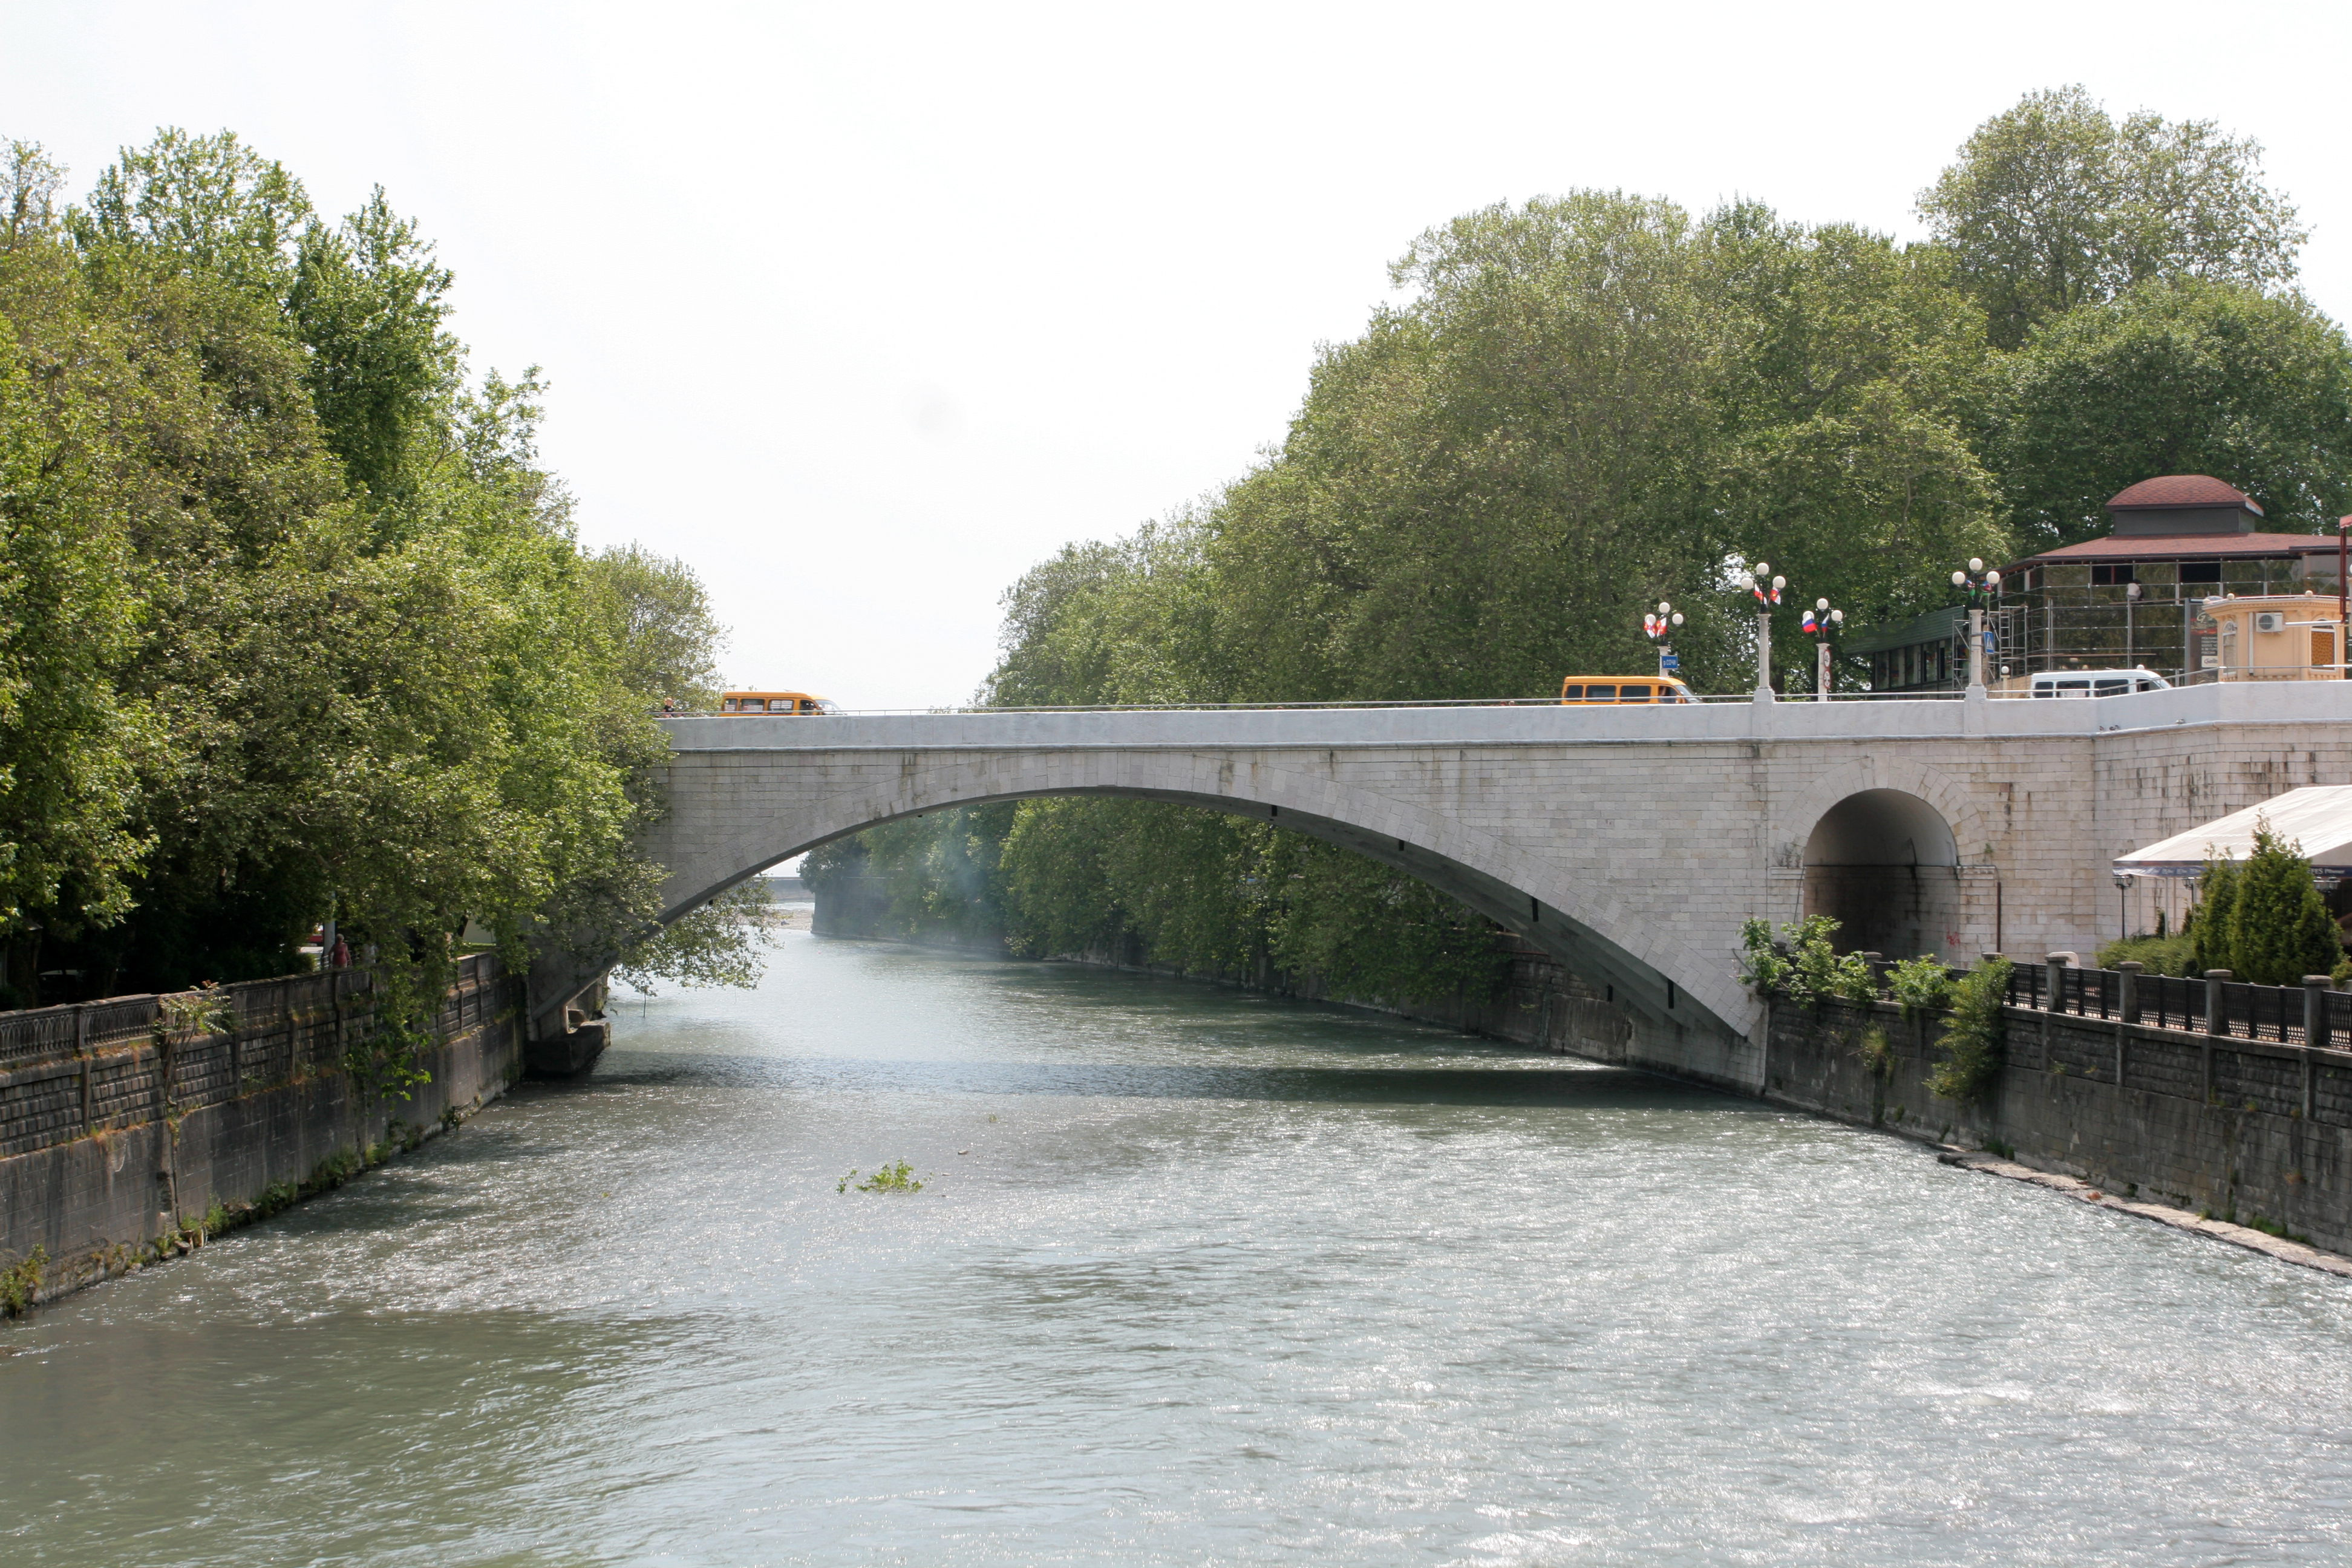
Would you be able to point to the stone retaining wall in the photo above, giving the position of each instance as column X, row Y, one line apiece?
column 118, row 1137
column 2253, row 1132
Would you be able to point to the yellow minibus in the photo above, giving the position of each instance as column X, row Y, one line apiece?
column 1583, row 688
column 772, row 703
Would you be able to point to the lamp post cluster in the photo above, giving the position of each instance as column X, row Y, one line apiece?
column 1821, row 621
column 1980, row 586
column 1658, row 627
column 1767, row 589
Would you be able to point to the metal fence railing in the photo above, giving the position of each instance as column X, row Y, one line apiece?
column 2288, row 1015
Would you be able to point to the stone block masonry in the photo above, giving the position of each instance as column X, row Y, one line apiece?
column 1627, row 844
column 119, row 1136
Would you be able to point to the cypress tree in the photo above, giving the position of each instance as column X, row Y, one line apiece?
column 2217, row 894
column 2279, row 927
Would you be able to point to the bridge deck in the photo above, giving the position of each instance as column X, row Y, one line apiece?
column 1789, row 719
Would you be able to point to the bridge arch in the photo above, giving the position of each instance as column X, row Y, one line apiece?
column 1885, row 863
column 1651, row 967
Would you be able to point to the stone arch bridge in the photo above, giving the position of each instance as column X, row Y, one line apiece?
column 1629, row 843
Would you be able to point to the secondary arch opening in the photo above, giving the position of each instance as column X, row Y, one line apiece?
column 1884, row 866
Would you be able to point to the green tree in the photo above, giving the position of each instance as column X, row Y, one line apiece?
column 2211, row 940
column 2279, row 927
column 206, row 204
column 666, row 636
column 368, row 301
column 67, row 621
column 2052, row 204
column 289, row 663
column 2172, row 378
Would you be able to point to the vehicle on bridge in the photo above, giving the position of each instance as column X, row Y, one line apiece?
column 2082, row 684
column 1583, row 688
column 774, row 702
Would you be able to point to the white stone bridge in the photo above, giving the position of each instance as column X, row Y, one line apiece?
column 1629, row 843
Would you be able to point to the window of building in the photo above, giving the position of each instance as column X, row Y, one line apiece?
column 2200, row 571
column 2113, row 575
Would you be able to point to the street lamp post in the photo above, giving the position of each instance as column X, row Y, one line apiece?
column 1820, row 622
column 1980, row 586
column 1767, row 589
column 1658, row 627
column 2343, row 533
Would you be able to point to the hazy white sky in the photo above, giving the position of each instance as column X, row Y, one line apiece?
column 863, row 310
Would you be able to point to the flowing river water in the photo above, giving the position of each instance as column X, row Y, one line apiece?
column 1194, row 1277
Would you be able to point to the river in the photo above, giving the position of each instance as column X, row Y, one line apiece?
column 1194, row 1277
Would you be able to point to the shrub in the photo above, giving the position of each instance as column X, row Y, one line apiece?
column 2279, row 926
column 1814, row 971
column 1878, row 1052
column 2158, row 954
column 1761, row 970
column 1970, row 1049
column 1921, row 985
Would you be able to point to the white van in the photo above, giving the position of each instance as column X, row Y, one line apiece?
column 2096, row 682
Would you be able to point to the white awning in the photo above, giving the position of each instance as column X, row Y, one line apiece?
column 2318, row 816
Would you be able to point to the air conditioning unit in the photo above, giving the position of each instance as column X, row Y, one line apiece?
column 2270, row 620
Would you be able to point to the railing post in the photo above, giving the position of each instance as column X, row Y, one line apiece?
column 2217, row 1021
column 81, row 1050
column 2315, row 988
column 2126, row 1014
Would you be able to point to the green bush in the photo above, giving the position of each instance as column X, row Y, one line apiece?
column 1921, row 985
column 1814, row 971
column 1969, row 1049
column 2158, row 954
column 1761, row 970
column 2279, row 926
column 1878, row 1052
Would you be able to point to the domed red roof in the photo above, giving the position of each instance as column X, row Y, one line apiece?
column 2183, row 489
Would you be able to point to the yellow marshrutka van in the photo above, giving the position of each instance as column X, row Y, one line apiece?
column 775, row 703
column 1579, row 688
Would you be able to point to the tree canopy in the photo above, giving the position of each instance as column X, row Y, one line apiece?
column 2054, row 204
column 295, row 624
column 1582, row 405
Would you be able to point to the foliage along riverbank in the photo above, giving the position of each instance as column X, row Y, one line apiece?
column 1587, row 403
column 293, row 623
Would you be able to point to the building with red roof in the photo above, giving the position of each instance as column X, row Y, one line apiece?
column 2132, row 599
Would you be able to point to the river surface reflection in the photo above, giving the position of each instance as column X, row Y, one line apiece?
column 1196, row 1277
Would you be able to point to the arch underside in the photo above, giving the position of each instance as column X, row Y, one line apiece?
column 1574, row 943
column 1884, row 863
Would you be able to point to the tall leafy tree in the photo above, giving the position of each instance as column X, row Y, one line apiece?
column 68, row 744
column 313, row 630
column 368, row 300
column 2170, row 378
column 2054, row 204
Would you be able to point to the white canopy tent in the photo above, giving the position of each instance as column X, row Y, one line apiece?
column 2317, row 816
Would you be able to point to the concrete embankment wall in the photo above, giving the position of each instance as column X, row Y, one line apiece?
column 2249, row 1131
column 119, row 1137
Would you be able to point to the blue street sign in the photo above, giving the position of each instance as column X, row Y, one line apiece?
column 1668, row 661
